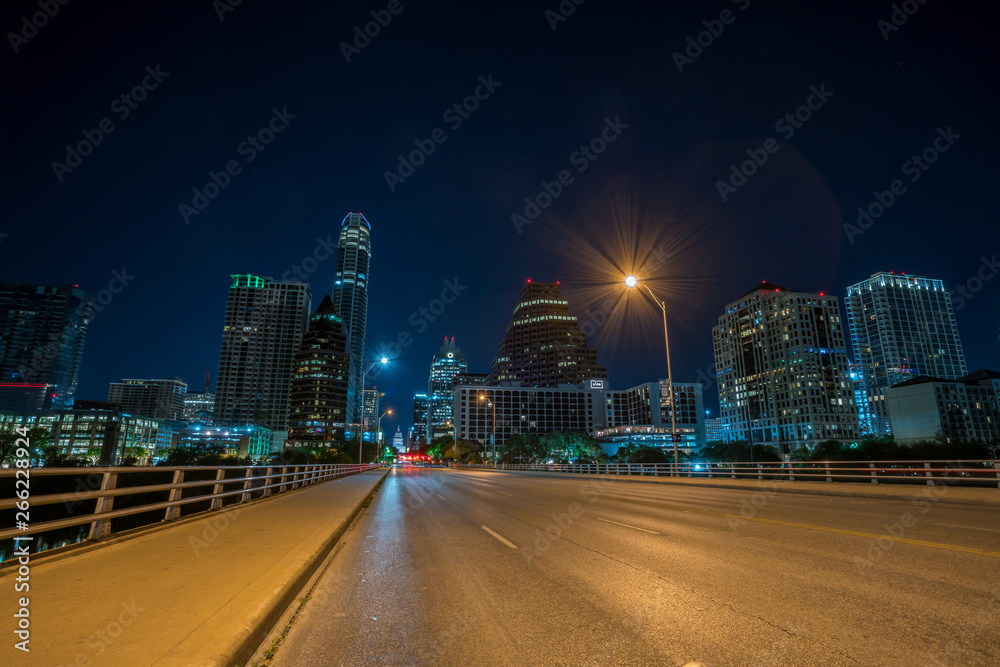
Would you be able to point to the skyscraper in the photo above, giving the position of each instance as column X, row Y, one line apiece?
column 265, row 322
column 42, row 332
column 350, row 299
column 543, row 346
column 783, row 370
column 159, row 399
column 318, row 406
column 420, row 407
column 902, row 326
column 446, row 365
column 370, row 402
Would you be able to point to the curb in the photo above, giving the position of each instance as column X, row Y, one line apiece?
column 843, row 493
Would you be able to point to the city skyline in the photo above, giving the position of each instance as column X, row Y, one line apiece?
column 447, row 244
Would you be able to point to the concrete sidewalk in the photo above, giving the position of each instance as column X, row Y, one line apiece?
column 945, row 493
column 205, row 592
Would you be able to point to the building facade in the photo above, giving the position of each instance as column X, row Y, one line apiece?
column 927, row 408
column 421, row 405
column 318, row 403
column 783, row 370
column 252, row 441
column 714, row 429
column 446, row 366
column 265, row 323
column 543, row 345
column 199, row 407
column 159, row 399
column 371, row 401
column 43, row 329
column 350, row 300
column 902, row 326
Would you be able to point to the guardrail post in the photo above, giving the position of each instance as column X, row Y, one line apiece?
column 928, row 473
column 217, row 489
column 874, row 476
column 760, row 472
column 267, row 482
column 295, row 479
column 829, row 477
column 174, row 512
column 101, row 529
column 997, row 469
column 791, row 474
column 732, row 468
column 708, row 466
column 245, row 498
column 284, row 478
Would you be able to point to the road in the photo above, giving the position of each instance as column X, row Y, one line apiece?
column 452, row 567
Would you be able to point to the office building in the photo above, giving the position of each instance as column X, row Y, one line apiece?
column 714, row 428
column 783, row 370
column 446, row 365
column 646, row 410
column 543, row 345
column 159, row 399
column 318, row 407
column 421, row 405
column 43, row 329
column 199, row 407
column 350, row 300
column 371, row 400
column 265, row 322
column 963, row 409
column 252, row 441
column 902, row 326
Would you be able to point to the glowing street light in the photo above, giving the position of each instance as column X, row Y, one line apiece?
column 493, row 435
column 632, row 282
column 361, row 434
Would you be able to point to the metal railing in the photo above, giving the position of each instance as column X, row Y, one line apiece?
column 247, row 482
column 962, row 472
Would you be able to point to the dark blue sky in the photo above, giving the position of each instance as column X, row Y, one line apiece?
column 654, row 187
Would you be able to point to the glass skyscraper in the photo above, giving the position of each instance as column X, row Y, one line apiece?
column 350, row 300
column 265, row 322
column 42, row 332
column 447, row 364
column 902, row 326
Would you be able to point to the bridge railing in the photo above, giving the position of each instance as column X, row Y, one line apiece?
column 138, row 491
column 960, row 472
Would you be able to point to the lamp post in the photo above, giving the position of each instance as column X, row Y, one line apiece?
column 493, row 433
column 361, row 433
column 632, row 282
column 454, row 442
column 379, row 427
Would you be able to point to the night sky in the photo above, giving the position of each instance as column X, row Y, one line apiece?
column 652, row 193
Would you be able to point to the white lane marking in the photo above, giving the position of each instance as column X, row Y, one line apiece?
column 499, row 537
column 505, row 494
column 441, row 497
column 626, row 525
column 951, row 525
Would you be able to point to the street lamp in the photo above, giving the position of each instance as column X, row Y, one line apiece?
column 493, row 434
column 632, row 282
column 454, row 442
column 361, row 435
column 379, row 427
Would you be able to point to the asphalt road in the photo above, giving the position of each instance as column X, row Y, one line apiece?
column 454, row 567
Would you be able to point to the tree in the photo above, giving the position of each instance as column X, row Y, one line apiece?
column 650, row 455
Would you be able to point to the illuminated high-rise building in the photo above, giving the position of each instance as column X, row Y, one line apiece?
column 318, row 407
column 420, row 407
column 42, row 332
column 265, row 322
column 447, row 364
column 350, row 300
column 902, row 326
column 543, row 346
column 784, row 375
column 159, row 399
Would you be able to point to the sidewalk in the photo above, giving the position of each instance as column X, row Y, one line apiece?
column 202, row 593
column 957, row 495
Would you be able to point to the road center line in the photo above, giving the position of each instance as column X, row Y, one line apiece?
column 505, row 494
column 499, row 537
column 441, row 497
column 626, row 525
column 952, row 525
